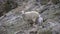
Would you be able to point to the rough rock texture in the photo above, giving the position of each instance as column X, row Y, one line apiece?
column 6, row 6
column 30, row 17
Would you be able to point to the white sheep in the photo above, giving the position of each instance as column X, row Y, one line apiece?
column 32, row 15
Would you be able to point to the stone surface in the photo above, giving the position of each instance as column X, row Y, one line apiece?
column 6, row 6
column 30, row 17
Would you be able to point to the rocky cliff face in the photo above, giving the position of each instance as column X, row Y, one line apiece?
column 6, row 6
column 29, row 16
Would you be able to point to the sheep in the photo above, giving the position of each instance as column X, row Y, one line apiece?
column 33, row 17
column 30, row 16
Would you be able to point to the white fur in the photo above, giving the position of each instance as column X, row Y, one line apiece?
column 31, row 15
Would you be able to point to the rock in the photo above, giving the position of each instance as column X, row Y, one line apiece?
column 43, row 2
column 3, row 30
column 55, row 1
column 33, row 30
column 6, row 6
column 56, row 29
column 30, row 16
column 50, row 23
column 21, row 32
column 12, row 22
column 45, row 32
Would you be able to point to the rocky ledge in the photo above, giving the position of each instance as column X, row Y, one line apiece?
column 29, row 16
